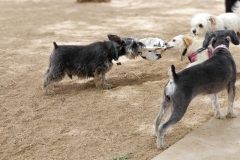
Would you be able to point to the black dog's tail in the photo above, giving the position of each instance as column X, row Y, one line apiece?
column 55, row 45
column 172, row 73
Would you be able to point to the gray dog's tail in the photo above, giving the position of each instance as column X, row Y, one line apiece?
column 172, row 73
column 55, row 45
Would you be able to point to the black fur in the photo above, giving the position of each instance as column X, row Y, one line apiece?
column 93, row 60
column 174, row 72
column 83, row 60
column 229, row 5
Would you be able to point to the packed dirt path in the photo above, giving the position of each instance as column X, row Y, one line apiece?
column 80, row 121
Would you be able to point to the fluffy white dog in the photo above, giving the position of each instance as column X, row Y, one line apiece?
column 187, row 46
column 204, row 22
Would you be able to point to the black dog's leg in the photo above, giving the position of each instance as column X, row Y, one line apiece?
column 53, row 74
column 179, row 110
column 45, row 79
column 100, row 80
column 231, row 95
column 99, row 75
column 163, row 107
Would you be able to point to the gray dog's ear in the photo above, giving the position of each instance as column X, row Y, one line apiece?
column 208, row 39
column 115, row 38
column 233, row 37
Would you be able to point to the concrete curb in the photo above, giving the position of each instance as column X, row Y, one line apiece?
column 215, row 140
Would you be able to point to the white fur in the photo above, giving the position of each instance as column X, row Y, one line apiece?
column 223, row 21
column 152, row 56
column 153, row 46
column 178, row 44
column 153, row 42
column 171, row 86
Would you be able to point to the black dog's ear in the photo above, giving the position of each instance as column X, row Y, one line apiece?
column 115, row 38
column 233, row 37
column 208, row 39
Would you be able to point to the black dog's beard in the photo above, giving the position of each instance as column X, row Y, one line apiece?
column 131, row 54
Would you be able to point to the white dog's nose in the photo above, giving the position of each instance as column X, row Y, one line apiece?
column 159, row 56
column 194, row 31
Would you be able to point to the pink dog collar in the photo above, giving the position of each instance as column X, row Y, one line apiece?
column 193, row 56
column 221, row 46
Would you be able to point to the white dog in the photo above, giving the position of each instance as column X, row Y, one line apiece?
column 201, row 23
column 153, row 47
column 187, row 46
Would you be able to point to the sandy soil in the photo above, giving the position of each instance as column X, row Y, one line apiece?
column 80, row 121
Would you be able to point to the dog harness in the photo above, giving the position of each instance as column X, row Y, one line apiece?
column 192, row 57
column 114, row 52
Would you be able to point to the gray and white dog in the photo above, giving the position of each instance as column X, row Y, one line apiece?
column 93, row 60
column 209, row 77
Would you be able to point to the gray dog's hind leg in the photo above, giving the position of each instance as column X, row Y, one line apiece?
column 216, row 106
column 177, row 114
column 163, row 107
column 231, row 95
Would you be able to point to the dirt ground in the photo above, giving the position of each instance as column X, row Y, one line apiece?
column 80, row 121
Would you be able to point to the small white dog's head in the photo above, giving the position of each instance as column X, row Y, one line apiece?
column 180, row 42
column 201, row 23
column 153, row 48
column 176, row 42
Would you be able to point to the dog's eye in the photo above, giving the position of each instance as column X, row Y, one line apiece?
column 200, row 26
column 174, row 40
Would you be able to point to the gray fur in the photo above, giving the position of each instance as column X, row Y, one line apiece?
column 210, row 77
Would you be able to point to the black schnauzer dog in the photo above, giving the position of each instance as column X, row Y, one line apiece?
column 210, row 77
column 93, row 60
